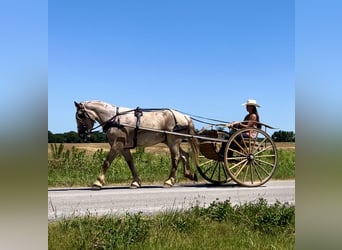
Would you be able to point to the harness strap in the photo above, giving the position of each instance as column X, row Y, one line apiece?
column 178, row 127
column 112, row 122
column 116, row 114
column 137, row 113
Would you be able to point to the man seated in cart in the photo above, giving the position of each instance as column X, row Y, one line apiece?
column 251, row 120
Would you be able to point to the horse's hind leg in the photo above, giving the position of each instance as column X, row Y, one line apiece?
column 129, row 159
column 185, row 160
column 175, row 154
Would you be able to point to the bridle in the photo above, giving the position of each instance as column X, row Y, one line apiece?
column 85, row 123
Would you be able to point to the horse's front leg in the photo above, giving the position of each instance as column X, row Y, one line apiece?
column 136, row 183
column 100, row 180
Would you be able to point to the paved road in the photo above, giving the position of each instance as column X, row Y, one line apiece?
column 63, row 203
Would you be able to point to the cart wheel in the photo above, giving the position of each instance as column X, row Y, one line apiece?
column 213, row 171
column 212, row 167
column 250, row 161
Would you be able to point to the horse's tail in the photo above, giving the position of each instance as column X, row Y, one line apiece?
column 193, row 142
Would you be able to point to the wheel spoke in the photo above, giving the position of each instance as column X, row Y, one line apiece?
column 206, row 163
column 240, row 169
column 217, row 170
column 264, row 162
column 263, row 150
column 257, row 172
column 243, row 149
column 246, row 172
column 252, row 177
column 237, row 164
column 225, row 171
column 212, row 174
column 214, row 171
column 262, row 167
column 261, row 143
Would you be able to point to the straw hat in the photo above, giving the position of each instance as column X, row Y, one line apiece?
column 251, row 102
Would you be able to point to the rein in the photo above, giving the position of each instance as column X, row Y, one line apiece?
column 137, row 112
column 201, row 117
column 111, row 123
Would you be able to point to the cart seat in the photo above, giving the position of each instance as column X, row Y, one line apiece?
column 210, row 149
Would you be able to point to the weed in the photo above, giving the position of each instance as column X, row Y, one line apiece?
column 270, row 219
column 220, row 211
column 57, row 151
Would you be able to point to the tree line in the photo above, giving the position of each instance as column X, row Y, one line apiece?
column 72, row 137
column 99, row 137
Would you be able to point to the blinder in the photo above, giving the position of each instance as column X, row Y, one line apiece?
column 84, row 124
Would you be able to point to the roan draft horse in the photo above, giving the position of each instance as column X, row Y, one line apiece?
column 125, row 129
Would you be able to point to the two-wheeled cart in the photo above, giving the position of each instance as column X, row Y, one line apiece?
column 246, row 156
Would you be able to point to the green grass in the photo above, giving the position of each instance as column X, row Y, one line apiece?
column 286, row 165
column 219, row 226
column 75, row 168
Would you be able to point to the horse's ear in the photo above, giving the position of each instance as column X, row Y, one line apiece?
column 77, row 105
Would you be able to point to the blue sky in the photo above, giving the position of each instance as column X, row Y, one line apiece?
column 201, row 57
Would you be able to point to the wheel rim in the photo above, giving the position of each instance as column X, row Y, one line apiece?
column 250, row 162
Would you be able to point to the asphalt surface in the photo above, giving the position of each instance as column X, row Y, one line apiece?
column 150, row 199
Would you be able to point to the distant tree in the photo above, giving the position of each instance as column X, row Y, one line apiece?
column 283, row 136
column 50, row 136
column 73, row 137
column 56, row 138
column 98, row 137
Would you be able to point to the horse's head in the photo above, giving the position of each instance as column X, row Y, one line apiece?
column 84, row 122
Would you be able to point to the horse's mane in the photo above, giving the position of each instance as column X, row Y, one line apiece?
column 98, row 102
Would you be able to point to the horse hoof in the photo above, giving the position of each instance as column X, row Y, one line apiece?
column 97, row 184
column 95, row 187
column 135, row 184
column 169, row 183
column 166, row 185
column 192, row 177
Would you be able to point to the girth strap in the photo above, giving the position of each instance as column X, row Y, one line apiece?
column 137, row 113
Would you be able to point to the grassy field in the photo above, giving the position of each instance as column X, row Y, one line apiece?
column 79, row 164
column 219, row 226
